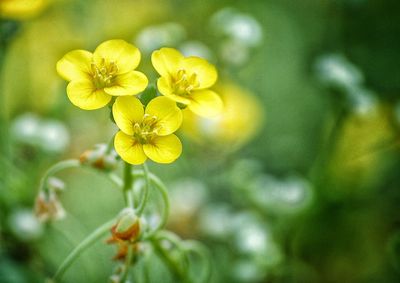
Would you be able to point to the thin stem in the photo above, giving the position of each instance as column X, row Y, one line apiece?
column 79, row 249
column 168, row 260
column 128, row 261
column 145, row 197
column 197, row 248
column 110, row 145
column 128, row 181
column 70, row 163
column 115, row 179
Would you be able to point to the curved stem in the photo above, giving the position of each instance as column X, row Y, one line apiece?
column 79, row 249
column 70, row 163
column 177, row 269
column 197, row 248
column 115, row 179
column 145, row 197
column 164, row 194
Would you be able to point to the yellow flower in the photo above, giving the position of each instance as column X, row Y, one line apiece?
column 95, row 77
column 186, row 80
column 21, row 9
column 147, row 133
column 239, row 121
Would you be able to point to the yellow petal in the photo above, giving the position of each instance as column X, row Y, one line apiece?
column 130, row 83
column 206, row 73
column 165, row 89
column 127, row 110
column 129, row 149
column 205, row 103
column 164, row 149
column 75, row 65
column 124, row 55
column 166, row 61
column 84, row 95
column 169, row 116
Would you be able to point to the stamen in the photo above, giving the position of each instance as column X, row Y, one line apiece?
column 103, row 73
column 183, row 84
column 146, row 130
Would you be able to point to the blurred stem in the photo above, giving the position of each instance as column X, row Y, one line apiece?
column 164, row 194
column 86, row 243
column 197, row 248
column 173, row 265
column 128, row 261
column 145, row 197
column 110, row 145
column 321, row 165
column 70, row 163
column 128, row 182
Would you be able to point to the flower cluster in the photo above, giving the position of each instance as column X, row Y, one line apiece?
column 108, row 75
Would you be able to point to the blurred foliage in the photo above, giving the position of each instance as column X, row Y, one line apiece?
column 309, row 193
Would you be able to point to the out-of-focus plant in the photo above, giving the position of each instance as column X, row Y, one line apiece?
column 229, row 130
column 21, row 9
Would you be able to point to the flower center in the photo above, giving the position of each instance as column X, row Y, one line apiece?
column 146, row 130
column 104, row 73
column 183, row 84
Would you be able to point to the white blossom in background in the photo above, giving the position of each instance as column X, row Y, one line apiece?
column 53, row 136
column 25, row 225
column 187, row 196
column 237, row 26
column 49, row 135
column 335, row 70
column 363, row 100
column 154, row 37
column 197, row 48
column 24, row 129
column 238, row 34
column 289, row 195
column 246, row 270
column 216, row 221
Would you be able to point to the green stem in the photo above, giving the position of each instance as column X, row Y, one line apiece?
column 172, row 264
column 128, row 261
column 164, row 194
column 86, row 243
column 70, row 163
column 197, row 248
column 145, row 197
column 128, row 182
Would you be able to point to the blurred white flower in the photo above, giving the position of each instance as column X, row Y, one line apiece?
column 239, row 33
column 25, row 225
column 234, row 52
column 196, row 48
column 24, row 129
column 281, row 196
column 216, row 220
column 48, row 135
column 187, row 196
column 154, row 37
column 246, row 270
column 363, row 100
column 336, row 71
column 237, row 26
column 53, row 135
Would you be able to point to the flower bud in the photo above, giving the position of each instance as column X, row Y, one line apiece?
column 127, row 228
column 99, row 158
column 48, row 207
column 125, row 233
